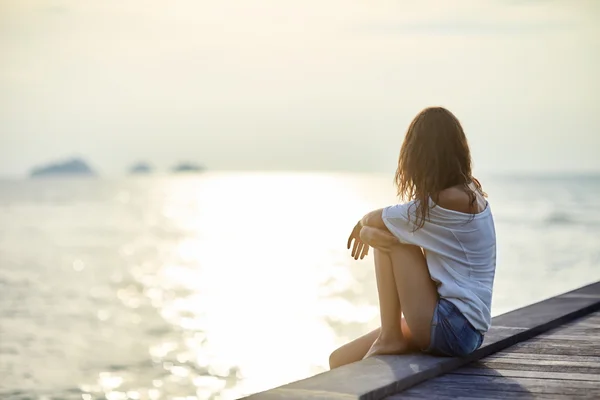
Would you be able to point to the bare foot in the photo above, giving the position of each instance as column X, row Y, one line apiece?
column 382, row 346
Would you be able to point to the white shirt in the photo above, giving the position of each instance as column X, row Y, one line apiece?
column 461, row 254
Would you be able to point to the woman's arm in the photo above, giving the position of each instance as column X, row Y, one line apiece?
column 378, row 238
column 370, row 231
column 374, row 219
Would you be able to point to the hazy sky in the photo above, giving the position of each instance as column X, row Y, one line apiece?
column 277, row 84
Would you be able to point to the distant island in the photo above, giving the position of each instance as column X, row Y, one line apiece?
column 71, row 167
column 141, row 168
column 187, row 167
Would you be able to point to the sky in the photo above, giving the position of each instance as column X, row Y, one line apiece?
column 296, row 85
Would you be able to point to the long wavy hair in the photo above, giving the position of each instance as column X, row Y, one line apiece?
column 434, row 156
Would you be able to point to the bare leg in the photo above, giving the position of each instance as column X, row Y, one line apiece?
column 357, row 349
column 416, row 293
column 353, row 351
column 390, row 339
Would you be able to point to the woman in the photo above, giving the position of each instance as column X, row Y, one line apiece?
column 435, row 256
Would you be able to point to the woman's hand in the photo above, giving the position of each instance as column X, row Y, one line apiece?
column 360, row 248
column 365, row 236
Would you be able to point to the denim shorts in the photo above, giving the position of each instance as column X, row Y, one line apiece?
column 451, row 333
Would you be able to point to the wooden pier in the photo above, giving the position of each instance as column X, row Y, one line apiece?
column 561, row 364
column 549, row 350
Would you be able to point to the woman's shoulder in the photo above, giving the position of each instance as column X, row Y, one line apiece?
column 457, row 199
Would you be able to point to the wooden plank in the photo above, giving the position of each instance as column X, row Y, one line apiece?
column 582, row 348
column 588, row 325
column 461, row 385
column 479, row 394
column 558, row 341
column 583, row 322
column 528, row 374
column 568, row 338
column 591, row 319
column 587, row 351
column 541, row 366
column 582, row 330
column 563, row 362
column 550, row 342
column 502, row 383
column 475, row 393
column 532, row 356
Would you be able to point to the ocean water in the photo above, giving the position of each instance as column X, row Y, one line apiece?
column 223, row 284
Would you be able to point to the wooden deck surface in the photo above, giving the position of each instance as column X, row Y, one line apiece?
column 561, row 364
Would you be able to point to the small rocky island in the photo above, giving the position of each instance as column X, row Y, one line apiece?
column 187, row 167
column 140, row 168
column 71, row 167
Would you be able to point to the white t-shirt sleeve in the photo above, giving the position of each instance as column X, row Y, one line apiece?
column 396, row 219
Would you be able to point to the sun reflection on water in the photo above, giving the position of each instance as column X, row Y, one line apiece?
column 259, row 270
column 251, row 276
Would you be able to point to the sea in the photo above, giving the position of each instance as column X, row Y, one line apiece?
column 223, row 284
